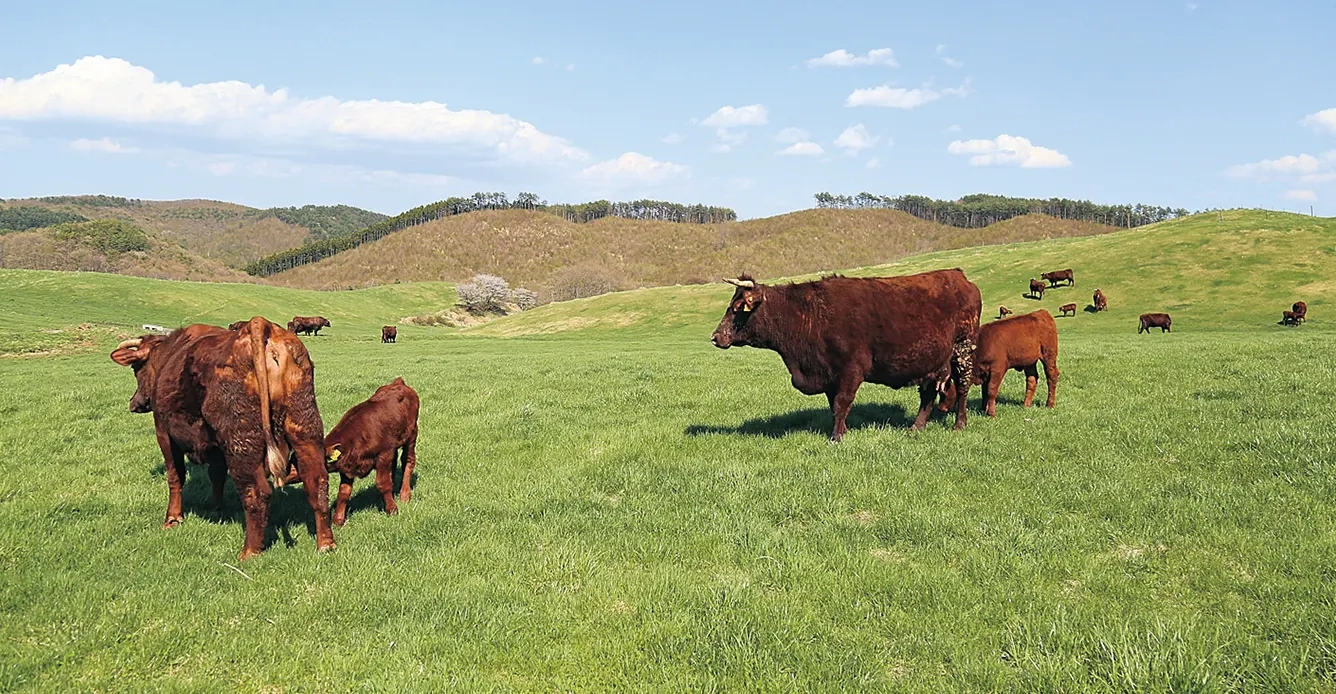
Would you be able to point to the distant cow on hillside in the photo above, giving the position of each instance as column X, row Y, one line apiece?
column 1037, row 288
column 1068, row 308
column 837, row 332
column 1059, row 276
column 238, row 325
column 389, row 333
column 309, row 325
column 1101, row 303
column 367, row 438
column 1003, row 312
column 1288, row 318
column 1153, row 320
column 1019, row 343
column 1300, row 311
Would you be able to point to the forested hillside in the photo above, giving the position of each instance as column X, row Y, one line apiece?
column 980, row 210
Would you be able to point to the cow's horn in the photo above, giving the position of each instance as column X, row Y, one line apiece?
column 130, row 343
column 745, row 284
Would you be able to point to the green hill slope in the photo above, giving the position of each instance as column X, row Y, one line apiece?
column 561, row 259
column 1222, row 271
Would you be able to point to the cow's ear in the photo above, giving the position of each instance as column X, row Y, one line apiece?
column 131, row 352
column 332, row 455
column 750, row 301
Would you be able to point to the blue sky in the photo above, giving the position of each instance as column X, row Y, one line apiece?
column 751, row 105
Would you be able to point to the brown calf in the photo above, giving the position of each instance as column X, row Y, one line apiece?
column 1059, row 276
column 1003, row 312
column 1019, row 343
column 1037, row 288
column 1068, row 308
column 309, row 325
column 1153, row 320
column 367, row 438
column 1101, row 303
column 389, row 333
column 1288, row 318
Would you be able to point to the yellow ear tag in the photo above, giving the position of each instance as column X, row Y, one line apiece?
column 746, row 307
column 334, row 455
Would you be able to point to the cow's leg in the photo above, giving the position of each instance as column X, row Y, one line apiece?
column 385, row 480
column 255, row 495
column 218, row 476
column 842, row 401
column 315, row 480
column 993, row 384
column 1051, row 378
column 174, row 460
column 927, row 394
column 341, row 506
column 409, row 462
column 1031, row 382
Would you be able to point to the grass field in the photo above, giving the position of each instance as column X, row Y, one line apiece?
column 606, row 502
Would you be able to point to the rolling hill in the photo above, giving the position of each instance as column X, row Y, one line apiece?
column 224, row 232
column 564, row 260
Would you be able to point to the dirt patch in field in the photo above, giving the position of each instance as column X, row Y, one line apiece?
column 561, row 325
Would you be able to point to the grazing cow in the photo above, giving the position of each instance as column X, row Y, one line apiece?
column 389, row 333
column 1037, row 288
column 1017, row 343
column 1300, row 311
column 238, row 325
column 1101, row 303
column 1068, row 308
column 1003, row 312
column 1154, row 320
column 240, row 402
column 1059, row 276
column 309, row 325
column 837, row 332
column 1288, row 318
column 367, row 438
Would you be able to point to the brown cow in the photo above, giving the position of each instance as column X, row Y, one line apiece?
column 389, row 333
column 837, row 332
column 1068, row 308
column 238, row 325
column 1059, row 276
column 1037, row 288
column 1300, row 311
column 367, row 438
column 309, row 325
column 1154, row 320
column 238, row 401
column 1289, row 318
column 1101, row 303
column 1003, row 312
column 1017, row 343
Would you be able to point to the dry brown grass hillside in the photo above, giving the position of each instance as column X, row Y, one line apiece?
column 228, row 233
column 38, row 250
column 561, row 259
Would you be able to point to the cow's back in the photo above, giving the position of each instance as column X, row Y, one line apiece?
column 1016, row 340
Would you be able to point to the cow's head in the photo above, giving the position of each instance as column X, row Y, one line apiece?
column 324, row 322
column 332, row 455
column 746, row 301
column 136, row 354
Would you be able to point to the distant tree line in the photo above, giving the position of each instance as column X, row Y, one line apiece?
column 316, row 251
column 325, row 221
column 92, row 200
column 973, row 211
column 25, row 217
column 107, row 236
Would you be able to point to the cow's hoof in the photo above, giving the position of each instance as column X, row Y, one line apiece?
column 339, row 521
column 958, row 426
column 327, row 546
column 248, row 554
column 172, row 522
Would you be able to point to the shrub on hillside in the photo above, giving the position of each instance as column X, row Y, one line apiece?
column 484, row 293
column 525, row 298
column 109, row 236
column 582, row 281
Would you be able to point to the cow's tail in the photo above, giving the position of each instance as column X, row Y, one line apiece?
column 275, row 459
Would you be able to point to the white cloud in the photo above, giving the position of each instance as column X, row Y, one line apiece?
column 887, row 96
column 570, row 67
column 1290, row 164
column 802, row 149
column 874, row 163
column 277, row 168
column 632, row 169
column 104, row 146
column 732, row 137
column 1006, row 150
column 673, row 138
column 855, row 138
column 730, row 117
column 950, row 62
column 111, row 89
column 793, row 135
column 1322, row 120
column 1305, row 195
column 538, row 60
column 954, row 128
column 721, row 148
column 843, row 58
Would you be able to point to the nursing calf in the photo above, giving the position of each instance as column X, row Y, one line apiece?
column 1020, row 342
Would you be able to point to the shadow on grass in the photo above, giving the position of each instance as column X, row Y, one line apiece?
column 814, row 420
column 287, row 508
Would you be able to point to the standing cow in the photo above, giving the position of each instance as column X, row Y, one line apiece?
column 837, row 332
column 1300, row 310
column 1153, row 320
column 367, row 438
column 1037, row 288
column 1101, row 303
column 1019, row 343
column 1003, row 312
column 239, row 401
column 1068, row 308
column 309, row 325
column 389, row 333
column 1057, row 276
